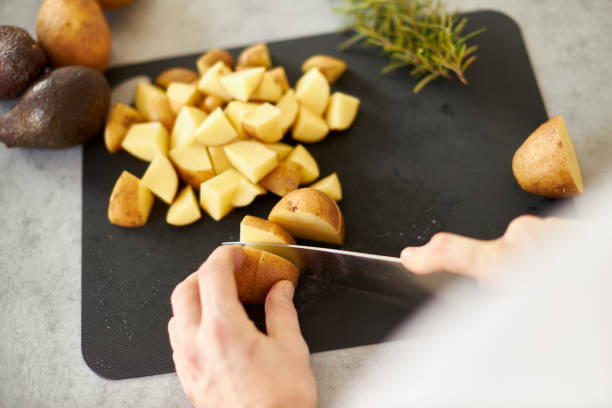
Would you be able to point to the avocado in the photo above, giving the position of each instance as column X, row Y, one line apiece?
column 21, row 61
column 65, row 107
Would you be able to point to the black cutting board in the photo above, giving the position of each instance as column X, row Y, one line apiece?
column 411, row 165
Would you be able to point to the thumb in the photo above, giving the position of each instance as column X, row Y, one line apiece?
column 281, row 316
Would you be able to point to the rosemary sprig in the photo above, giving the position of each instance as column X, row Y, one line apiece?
column 419, row 33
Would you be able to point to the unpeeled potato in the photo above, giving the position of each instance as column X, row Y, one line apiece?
column 114, row 4
column 74, row 32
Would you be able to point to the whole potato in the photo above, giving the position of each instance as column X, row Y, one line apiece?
column 114, row 4
column 74, row 32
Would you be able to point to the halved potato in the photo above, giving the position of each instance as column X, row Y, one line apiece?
column 177, row 74
column 259, row 272
column 309, row 127
column 185, row 126
column 152, row 103
column 210, row 83
column 312, row 91
column 310, row 214
column 160, row 177
column 284, row 179
column 330, row 185
column 282, row 149
column 120, row 119
column 180, row 94
column 185, row 209
column 546, row 163
column 268, row 90
column 192, row 164
column 330, row 67
column 309, row 166
column 241, row 84
column 219, row 159
column 288, row 106
column 246, row 193
column 279, row 75
column 254, row 56
column 210, row 58
column 341, row 111
column 235, row 111
column 217, row 193
column 216, row 130
column 130, row 202
column 253, row 159
column 263, row 123
column 210, row 103
column 146, row 140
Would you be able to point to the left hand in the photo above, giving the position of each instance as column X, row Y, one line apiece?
column 221, row 359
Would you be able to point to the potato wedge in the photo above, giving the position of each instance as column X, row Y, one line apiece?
column 546, row 163
column 177, row 74
column 160, row 177
column 310, row 214
column 152, row 103
column 210, row 103
column 309, row 127
column 210, row 83
column 146, row 140
column 253, row 159
column 330, row 185
column 256, row 55
column 180, row 95
column 246, row 193
column 241, row 84
column 289, row 107
column 282, row 149
column 219, row 159
column 216, row 130
column 332, row 68
column 309, row 166
column 185, row 126
column 341, row 111
column 259, row 272
column 235, row 111
column 210, row 58
column 263, row 123
column 120, row 119
column 185, row 209
column 279, row 75
column 217, row 193
column 268, row 90
column 312, row 91
column 130, row 202
column 192, row 164
column 284, row 179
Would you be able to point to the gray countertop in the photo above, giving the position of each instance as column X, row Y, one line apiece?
column 570, row 45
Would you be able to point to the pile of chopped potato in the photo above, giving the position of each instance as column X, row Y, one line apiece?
column 219, row 132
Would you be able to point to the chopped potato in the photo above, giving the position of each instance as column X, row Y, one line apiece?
column 283, row 179
column 146, row 140
column 210, row 103
column 312, row 91
column 177, row 74
column 180, row 94
column 282, row 149
column 219, row 159
column 210, row 83
column 152, row 103
column 279, row 75
column 309, row 127
column 185, row 209
column 268, row 90
column 263, row 123
column 217, row 193
column 341, row 111
column 329, row 66
column 130, row 202
column 253, row 159
column 241, row 84
column 160, row 177
column 120, row 119
column 216, row 130
column 187, row 122
column 309, row 166
column 330, row 185
column 235, row 111
column 246, row 193
column 192, row 164
column 288, row 106
column 210, row 58
column 254, row 56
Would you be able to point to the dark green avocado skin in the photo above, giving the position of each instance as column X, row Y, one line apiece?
column 21, row 61
column 65, row 107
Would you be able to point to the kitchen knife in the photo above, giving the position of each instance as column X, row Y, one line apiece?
column 373, row 273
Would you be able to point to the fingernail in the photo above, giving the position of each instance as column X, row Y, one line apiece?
column 407, row 254
column 287, row 288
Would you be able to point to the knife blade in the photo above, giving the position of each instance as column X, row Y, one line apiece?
column 368, row 272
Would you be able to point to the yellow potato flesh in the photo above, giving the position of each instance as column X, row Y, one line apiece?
column 310, row 168
column 341, row 111
column 235, row 111
column 268, row 90
column 120, row 119
column 240, row 85
column 263, row 123
column 279, row 75
column 288, row 106
column 192, row 164
column 219, row 159
column 330, row 185
column 246, row 193
column 210, row 83
column 187, row 122
column 217, row 193
column 216, row 130
column 152, row 103
column 160, row 177
column 146, row 140
column 312, row 91
column 309, row 127
column 253, row 159
column 282, row 149
column 181, row 94
column 185, row 209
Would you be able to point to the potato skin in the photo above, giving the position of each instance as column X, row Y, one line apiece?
column 114, row 4
column 176, row 74
column 540, row 165
column 74, row 32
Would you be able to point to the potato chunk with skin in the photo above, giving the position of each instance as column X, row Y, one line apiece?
column 217, row 193
column 241, row 84
column 177, row 74
column 192, row 164
column 152, row 103
column 341, row 111
column 309, row 166
column 180, row 94
column 216, row 130
column 268, row 90
column 120, row 119
column 332, row 68
column 160, row 177
column 187, row 122
column 254, row 56
column 146, row 140
column 210, row 83
column 330, row 185
column 263, row 123
column 246, row 193
column 284, row 179
column 235, row 111
column 259, row 272
column 282, row 149
column 310, row 214
column 219, row 159
column 210, row 103
column 309, row 127
column 210, row 58
column 312, row 91
column 279, row 75
column 130, row 202
column 253, row 159
column 289, row 107
column 185, row 209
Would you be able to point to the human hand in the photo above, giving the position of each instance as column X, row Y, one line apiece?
column 221, row 358
column 477, row 258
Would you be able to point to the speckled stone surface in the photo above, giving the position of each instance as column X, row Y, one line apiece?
column 570, row 44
